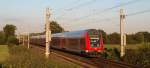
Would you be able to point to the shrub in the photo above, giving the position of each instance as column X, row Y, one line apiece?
column 141, row 56
column 116, row 54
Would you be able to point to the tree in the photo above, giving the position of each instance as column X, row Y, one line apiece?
column 9, row 30
column 114, row 38
column 12, row 40
column 139, row 37
column 146, row 36
column 2, row 38
column 55, row 27
column 131, row 39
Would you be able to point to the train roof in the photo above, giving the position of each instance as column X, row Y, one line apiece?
column 80, row 33
column 71, row 34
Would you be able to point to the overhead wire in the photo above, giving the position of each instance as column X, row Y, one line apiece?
column 107, row 9
column 78, row 6
column 137, row 13
column 74, row 2
column 127, row 15
column 62, row 9
column 82, row 5
column 111, row 8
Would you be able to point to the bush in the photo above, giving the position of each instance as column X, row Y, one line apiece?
column 141, row 56
column 116, row 54
column 111, row 53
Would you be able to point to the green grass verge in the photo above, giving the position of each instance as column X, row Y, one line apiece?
column 129, row 46
column 21, row 57
column 3, row 53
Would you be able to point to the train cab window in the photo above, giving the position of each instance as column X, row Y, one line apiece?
column 94, row 42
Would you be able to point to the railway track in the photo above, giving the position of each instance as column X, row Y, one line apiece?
column 105, row 63
column 83, row 64
column 90, row 62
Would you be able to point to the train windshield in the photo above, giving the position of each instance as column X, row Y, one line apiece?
column 94, row 42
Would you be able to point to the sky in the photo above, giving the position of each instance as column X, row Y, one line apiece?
column 28, row 15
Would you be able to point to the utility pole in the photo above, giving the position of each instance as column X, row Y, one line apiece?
column 28, row 40
column 123, row 42
column 48, row 33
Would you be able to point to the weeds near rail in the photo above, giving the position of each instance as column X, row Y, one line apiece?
column 21, row 57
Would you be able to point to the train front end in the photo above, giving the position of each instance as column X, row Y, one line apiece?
column 94, row 42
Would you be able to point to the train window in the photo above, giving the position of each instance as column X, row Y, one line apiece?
column 94, row 42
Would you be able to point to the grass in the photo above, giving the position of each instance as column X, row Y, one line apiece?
column 128, row 46
column 3, row 53
column 21, row 57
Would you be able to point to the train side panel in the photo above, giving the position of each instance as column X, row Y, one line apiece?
column 69, row 44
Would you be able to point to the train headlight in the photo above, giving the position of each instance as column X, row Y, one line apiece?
column 99, row 50
column 86, row 51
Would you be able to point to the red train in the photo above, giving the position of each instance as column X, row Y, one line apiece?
column 87, row 42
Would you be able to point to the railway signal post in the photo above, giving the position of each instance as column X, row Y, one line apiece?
column 122, row 34
column 48, row 33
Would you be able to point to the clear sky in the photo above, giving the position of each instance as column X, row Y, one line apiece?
column 28, row 15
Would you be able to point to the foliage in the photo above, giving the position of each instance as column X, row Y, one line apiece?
column 128, row 46
column 137, row 38
column 146, row 36
column 113, row 38
column 111, row 53
column 141, row 56
column 55, row 27
column 2, row 38
column 116, row 54
column 12, row 40
column 7, row 36
column 9, row 30
column 21, row 57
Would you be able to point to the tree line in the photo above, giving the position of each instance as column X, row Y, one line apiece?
column 136, row 38
column 8, row 35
